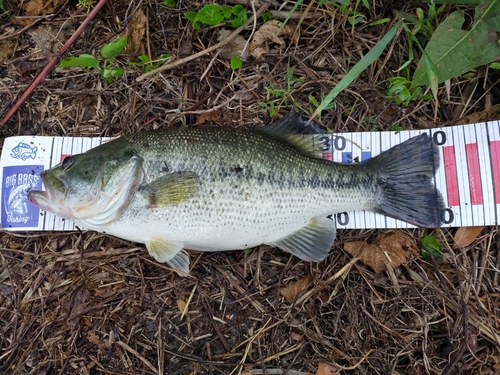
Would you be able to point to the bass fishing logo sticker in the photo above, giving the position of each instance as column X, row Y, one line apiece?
column 23, row 151
column 17, row 210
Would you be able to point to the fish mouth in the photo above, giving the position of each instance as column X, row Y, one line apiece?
column 53, row 194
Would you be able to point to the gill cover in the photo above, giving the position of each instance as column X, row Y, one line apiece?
column 95, row 185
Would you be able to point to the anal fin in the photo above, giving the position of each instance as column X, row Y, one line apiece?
column 170, row 252
column 313, row 242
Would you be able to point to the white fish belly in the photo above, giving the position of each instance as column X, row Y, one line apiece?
column 218, row 221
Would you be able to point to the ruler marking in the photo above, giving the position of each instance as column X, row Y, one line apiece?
column 473, row 175
column 486, row 179
column 468, row 177
column 451, row 175
column 476, row 194
column 495, row 161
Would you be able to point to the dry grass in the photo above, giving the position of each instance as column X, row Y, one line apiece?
column 84, row 303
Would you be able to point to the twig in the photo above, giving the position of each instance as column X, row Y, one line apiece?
column 52, row 63
column 136, row 353
column 205, row 51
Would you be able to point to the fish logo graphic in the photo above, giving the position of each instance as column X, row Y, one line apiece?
column 16, row 210
column 24, row 151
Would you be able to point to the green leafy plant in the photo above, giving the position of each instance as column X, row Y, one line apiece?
column 431, row 247
column 267, row 16
column 400, row 91
column 454, row 51
column 315, row 104
column 85, row 4
column 151, row 65
column 169, row 3
column 213, row 14
column 423, row 23
column 108, row 53
column 236, row 62
column 278, row 96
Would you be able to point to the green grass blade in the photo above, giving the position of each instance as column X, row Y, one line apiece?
column 357, row 69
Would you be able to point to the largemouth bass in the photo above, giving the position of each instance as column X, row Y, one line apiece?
column 214, row 189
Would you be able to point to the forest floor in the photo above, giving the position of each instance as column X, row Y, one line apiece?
column 86, row 303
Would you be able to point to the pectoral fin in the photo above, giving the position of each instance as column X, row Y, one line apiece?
column 173, row 188
column 311, row 243
column 170, row 252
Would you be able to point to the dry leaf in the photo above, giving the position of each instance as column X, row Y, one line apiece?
column 490, row 114
column 6, row 50
column 466, row 235
column 135, row 33
column 181, row 305
column 393, row 249
column 234, row 47
column 41, row 7
column 326, row 369
column 267, row 33
column 214, row 116
column 293, row 289
column 34, row 8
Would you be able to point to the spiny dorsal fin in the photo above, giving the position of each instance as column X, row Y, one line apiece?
column 173, row 188
column 312, row 243
column 295, row 129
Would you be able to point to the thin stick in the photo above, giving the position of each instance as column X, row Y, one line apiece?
column 205, row 51
column 52, row 63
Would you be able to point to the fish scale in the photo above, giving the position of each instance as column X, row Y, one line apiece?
column 214, row 189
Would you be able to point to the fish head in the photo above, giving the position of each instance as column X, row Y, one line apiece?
column 96, row 183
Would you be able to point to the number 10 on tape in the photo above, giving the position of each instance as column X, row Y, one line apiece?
column 468, row 176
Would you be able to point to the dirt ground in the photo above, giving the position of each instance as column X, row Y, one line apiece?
column 86, row 303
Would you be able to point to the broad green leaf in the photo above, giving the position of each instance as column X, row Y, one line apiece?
column 226, row 11
column 191, row 16
column 109, row 74
column 431, row 247
column 210, row 14
column 83, row 61
column 114, row 48
column 144, row 58
column 454, row 51
column 169, row 3
column 267, row 16
column 240, row 16
column 236, row 62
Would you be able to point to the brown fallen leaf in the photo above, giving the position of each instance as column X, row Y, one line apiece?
column 326, row 369
column 181, row 305
column 267, row 33
column 466, row 235
column 490, row 114
column 41, row 7
column 214, row 116
column 392, row 249
column 233, row 47
column 6, row 50
column 293, row 289
column 135, row 33
column 34, row 8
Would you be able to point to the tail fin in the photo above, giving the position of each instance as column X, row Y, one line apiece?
column 406, row 173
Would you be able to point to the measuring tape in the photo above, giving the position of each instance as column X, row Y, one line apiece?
column 468, row 176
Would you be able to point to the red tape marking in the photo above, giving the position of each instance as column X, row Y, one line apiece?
column 450, row 171
column 476, row 193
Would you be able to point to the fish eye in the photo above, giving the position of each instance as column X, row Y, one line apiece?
column 67, row 162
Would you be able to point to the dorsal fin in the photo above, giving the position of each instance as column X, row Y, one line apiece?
column 295, row 129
